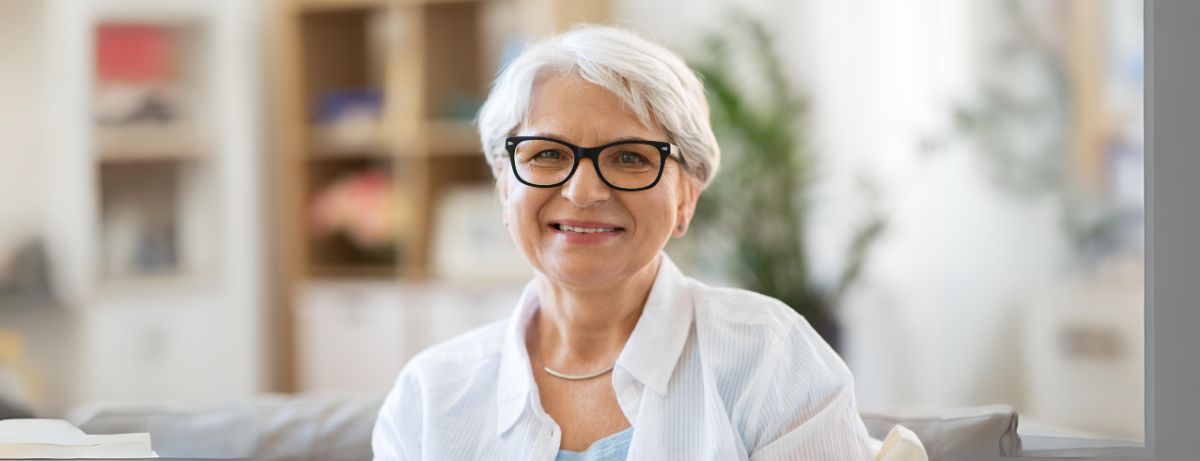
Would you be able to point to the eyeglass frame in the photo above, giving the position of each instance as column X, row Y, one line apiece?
column 593, row 153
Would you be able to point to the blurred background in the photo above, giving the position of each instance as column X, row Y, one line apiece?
column 204, row 201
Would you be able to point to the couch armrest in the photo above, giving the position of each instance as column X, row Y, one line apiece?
column 960, row 433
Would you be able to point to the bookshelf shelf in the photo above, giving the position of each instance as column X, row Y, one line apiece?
column 451, row 138
column 148, row 142
column 339, row 5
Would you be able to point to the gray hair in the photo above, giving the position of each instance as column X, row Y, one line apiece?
column 650, row 80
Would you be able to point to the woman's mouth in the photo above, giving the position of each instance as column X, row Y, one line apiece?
column 585, row 232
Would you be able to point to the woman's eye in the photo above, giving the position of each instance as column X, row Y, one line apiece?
column 548, row 155
column 630, row 158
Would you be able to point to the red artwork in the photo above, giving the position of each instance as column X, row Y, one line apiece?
column 133, row 53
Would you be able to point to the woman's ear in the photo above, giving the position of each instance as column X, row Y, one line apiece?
column 499, row 170
column 501, row 186
column 689, row 194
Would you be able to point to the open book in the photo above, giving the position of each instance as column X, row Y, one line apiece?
column 58, row 439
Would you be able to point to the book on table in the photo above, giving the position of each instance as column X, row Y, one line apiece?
column 58, row 439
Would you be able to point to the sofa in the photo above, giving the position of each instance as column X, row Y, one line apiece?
column 338, row 427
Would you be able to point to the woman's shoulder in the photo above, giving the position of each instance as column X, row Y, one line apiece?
column 469, row 350
column 759, row 353
column 735, row 325
column 441, row 389
column 736, row 308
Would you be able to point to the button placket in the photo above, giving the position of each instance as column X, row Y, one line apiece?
column 548, row 439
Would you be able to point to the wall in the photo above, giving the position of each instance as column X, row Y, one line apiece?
column 22, row 159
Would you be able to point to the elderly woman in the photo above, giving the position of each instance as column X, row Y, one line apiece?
column 600, row 143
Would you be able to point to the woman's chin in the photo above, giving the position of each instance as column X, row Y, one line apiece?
column 580, row 270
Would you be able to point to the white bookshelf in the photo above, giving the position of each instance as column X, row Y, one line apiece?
column 155, row 227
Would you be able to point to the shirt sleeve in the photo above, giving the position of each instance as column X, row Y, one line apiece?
column 397, row 432
column 808, row 411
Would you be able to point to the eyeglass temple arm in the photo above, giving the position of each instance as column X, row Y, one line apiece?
column 679, row 155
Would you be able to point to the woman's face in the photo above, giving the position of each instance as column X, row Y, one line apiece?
column 573, row 110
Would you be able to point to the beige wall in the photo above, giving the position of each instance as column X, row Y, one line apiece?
column 22, row 147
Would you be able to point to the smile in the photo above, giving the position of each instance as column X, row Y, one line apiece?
column 583, row 230
column 586, row 232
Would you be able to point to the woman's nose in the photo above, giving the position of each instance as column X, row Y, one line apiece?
column 585, row 186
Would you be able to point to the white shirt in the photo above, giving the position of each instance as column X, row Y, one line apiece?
column 707, row 374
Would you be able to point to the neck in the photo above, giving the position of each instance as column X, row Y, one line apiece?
column 579, row 329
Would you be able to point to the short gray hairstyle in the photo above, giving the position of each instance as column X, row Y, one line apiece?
column 650, row 80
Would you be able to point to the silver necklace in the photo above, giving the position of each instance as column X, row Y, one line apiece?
column 584, row 376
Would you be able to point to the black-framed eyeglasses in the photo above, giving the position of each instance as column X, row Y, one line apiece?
column 629, row 165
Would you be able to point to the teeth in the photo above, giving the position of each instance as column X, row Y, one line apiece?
column 586, row 230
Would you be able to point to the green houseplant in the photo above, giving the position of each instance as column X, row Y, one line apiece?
column 758, row 207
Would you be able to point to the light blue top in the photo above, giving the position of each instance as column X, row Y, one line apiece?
column 612, row 448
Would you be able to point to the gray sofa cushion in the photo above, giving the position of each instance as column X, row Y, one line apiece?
column 960, row 433
column 271, row 427
column 338, row 427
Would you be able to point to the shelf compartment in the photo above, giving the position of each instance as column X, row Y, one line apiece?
column 454, row 87
column 340, row 54
column 148, row 91
column 152, row 217
column 357, row 215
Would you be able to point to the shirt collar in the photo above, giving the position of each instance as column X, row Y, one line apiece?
column 515, row 375
column 653, row 349
column 650, row 354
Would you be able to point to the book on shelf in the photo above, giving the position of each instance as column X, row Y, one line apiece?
column 58, row 439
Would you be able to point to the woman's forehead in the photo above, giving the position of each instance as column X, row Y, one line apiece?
column 568, row 107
